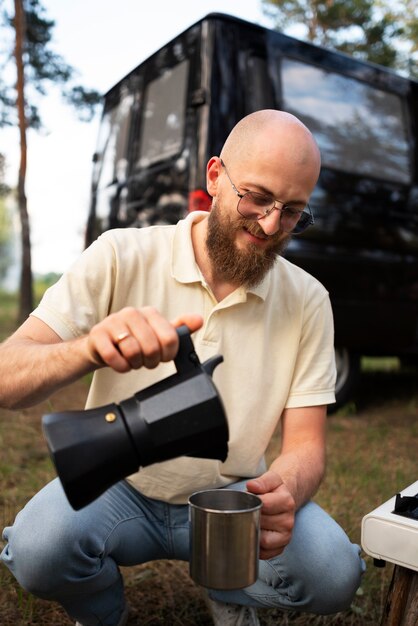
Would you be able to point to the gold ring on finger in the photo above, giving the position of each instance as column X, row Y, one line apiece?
column 122, row 336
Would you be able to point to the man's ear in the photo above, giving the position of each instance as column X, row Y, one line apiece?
column 213, row 171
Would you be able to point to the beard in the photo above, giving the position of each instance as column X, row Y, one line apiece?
column 245, row 267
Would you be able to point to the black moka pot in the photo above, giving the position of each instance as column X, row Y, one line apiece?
column 180, row 415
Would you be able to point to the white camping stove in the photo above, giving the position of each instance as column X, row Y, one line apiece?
column 390, row 532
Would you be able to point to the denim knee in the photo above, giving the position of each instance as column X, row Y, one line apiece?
column 45, row 544
column 328, row 584
column 323, row 568
column 35, row 549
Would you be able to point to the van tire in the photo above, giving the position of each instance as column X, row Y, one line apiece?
column 348, row 374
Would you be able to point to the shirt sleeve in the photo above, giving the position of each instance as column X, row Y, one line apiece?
column 314, row 377
column 82, row 296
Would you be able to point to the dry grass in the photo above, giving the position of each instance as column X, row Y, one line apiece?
column 372, row 454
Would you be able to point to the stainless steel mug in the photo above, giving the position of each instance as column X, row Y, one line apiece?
column 224, row 538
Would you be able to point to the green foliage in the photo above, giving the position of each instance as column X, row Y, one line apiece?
column 84, row 100
column 43, row 67
column 42, row 283
column 8, row 314
column 27, row 36
column 5, row 239
column 4, row 189
column 5, row 225
column 9, row 303
column 380, row 31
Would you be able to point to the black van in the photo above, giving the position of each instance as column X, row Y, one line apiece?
column 166, row 118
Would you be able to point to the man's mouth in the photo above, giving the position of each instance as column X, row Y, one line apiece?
column 258, row 233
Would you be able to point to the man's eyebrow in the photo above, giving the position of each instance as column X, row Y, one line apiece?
column 256, row 188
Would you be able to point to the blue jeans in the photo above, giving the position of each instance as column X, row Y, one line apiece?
column 72, row 557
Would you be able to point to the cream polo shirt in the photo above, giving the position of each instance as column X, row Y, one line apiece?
column 276, row 340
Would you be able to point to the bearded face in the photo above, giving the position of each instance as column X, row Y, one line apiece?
column 246, row 266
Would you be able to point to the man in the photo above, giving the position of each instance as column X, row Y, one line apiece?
column 115, row 313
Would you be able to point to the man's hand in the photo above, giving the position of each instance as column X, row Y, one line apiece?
column 277, row 513
column 35, row 362
column 133, row 338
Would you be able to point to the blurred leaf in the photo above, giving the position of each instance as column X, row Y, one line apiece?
column 378, row 31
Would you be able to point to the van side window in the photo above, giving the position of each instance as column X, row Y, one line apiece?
column 164, row 114
column 359, row 129
column 113, row 142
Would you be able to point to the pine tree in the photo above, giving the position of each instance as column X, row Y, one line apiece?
column 37, row 66
column 380, row 31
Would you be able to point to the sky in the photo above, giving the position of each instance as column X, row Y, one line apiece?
column 103, row 40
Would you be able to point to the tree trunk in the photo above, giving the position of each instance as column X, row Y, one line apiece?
column 26, row 284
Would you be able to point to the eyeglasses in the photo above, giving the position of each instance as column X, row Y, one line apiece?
column 255, row 206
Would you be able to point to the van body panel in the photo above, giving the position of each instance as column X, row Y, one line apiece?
column 164, row 120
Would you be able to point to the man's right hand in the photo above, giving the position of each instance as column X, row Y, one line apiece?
column 35, row 362
column 134, row 338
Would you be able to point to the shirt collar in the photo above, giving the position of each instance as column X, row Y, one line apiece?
column 261, row 290
column 183, row 263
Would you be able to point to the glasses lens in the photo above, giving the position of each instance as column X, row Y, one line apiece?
column 254, row 205
column 302, row 224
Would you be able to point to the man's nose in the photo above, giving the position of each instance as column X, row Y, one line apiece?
column 271, row 223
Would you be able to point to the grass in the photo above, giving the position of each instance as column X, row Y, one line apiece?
column 371, row 455
column 9, row 303
column 8, row 313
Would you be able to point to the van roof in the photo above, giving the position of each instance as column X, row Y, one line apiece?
column 227, row 17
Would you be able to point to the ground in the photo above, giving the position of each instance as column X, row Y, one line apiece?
column 372, row 454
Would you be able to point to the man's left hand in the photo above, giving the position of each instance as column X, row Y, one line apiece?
column 277, row 513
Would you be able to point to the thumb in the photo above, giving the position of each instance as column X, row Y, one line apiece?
column 191, row 320
column 265, row 483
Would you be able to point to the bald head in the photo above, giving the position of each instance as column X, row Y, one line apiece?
column 278, row 133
